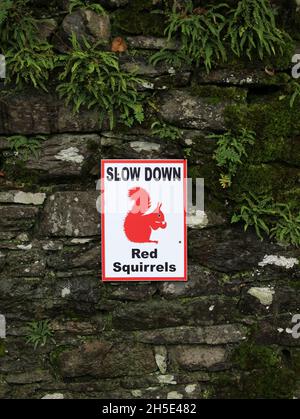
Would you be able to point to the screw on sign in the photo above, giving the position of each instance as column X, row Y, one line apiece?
column 144, row 220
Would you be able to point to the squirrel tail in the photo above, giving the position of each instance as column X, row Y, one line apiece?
column 141, row 200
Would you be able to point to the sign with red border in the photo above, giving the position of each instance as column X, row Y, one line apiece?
column 143, row 214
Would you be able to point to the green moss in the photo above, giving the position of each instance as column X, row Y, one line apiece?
column 269, row 120
column 137, row 19
column 216, row 94
column 276, row 125
column 264, row 179
column 264, row 373
column 54, row 355
column 2, row 348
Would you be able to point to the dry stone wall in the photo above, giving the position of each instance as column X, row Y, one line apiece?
column 224, row 333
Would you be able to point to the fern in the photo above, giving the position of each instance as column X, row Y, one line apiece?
column 79, row 4
column 30, row 66
column 207, row 35
column 252, row 30
column 19, row 28
column 38, row 333
column 200, row 35
column 5, row 6
column 25, row 147
column 295, row 92
column 230, row 151
column 268, row 217
column 93, row 78
column 165, row 131
column 29, row 60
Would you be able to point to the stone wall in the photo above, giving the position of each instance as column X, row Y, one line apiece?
column 224, row 333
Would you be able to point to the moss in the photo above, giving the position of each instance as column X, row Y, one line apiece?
column 264, row 373
column 264, row 179
column 137, row 19
column 2, row 348
column 269, row 120
column 54, row 355
column 217, row 94
column 16, row 170
column 276, row 126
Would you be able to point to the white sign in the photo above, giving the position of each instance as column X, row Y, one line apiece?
column 144, row 233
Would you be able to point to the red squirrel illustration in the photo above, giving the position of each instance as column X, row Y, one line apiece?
column 138, row 225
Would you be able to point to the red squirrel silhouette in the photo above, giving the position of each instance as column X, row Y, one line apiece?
column 138, row 225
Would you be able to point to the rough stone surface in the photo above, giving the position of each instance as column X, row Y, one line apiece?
column 193, row 358
column 38, row 113
column 84, row 23
column 190, row 111
column 230, row 331
column 104, row 359
column 64, row 155
column 71, row 214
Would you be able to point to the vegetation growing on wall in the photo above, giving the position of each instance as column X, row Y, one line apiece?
column 93, row 78
column 266, row 216
column 231, row 149
column 209, row 35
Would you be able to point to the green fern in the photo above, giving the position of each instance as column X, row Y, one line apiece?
column 24, row 147
column 231, row 148
column 295, row 92
column 5, row 6
column 200, row 36
column 252, row 30
column 93, row 78
column 276, row 220
column 38, row 333
column 165, row 131
column 79, row 4
column 30, row 66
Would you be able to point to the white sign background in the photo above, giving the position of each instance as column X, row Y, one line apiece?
column 171, row 245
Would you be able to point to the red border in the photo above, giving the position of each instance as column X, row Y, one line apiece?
column 141, row 279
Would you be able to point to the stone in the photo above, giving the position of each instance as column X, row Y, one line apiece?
column 28, row 377
column 105, row 359
column 151, row 43
column 46, row 28
column 161, row 358
column 71, row 214
column 240, row 77
column 132, row 292
column 174, row 395
column 115, row 3
column 20, row 197
column 35, row 112
column 200, row 282
column 193, row 358
column 84, row 23
column 227, row 250
column 55, row 396
column 210, row 335
column 183, row 109
column 17, row 218
column 64, row 155
column 189, row 312
column 264, row 295
column 281, row 261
